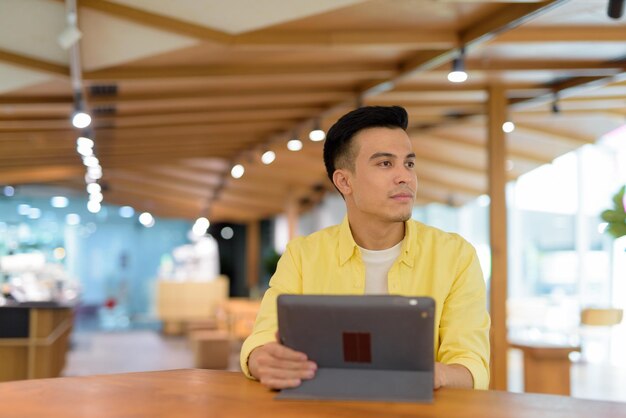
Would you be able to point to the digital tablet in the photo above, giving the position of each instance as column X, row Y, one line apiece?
column 374, row 347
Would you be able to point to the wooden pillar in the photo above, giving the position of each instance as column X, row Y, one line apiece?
column 496, row 150
column 292, row 216
column 253, row 249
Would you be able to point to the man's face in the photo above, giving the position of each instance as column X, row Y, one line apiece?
column 383, row 184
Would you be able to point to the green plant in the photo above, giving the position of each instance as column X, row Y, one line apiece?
column 616, row 217
column 270, row 260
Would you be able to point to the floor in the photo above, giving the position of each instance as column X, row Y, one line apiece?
column 97, row 352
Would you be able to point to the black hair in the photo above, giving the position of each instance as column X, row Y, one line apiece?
column 337, row 147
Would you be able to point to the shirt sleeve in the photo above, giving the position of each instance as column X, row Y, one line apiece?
column 465, row 323
column 286, row 279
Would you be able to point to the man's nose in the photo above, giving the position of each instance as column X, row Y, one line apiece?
column 405, row 176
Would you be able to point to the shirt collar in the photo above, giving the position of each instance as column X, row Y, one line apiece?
column 348, row 247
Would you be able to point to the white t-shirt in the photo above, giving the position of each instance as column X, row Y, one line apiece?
column 377, row 265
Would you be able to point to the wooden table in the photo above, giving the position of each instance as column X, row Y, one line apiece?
column 206, row 393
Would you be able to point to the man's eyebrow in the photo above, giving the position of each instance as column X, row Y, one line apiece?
column 411, row 155
column 382, row 154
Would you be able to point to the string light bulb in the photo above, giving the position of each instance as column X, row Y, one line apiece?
column 268, row 157
column 237, row 171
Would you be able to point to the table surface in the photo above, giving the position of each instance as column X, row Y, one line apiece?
column 206, row 393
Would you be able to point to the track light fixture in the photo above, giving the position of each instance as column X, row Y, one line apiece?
column 616, row 9
column 458, row 74
column 555, row 104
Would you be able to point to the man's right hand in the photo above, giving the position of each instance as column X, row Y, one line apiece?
column 279, row 367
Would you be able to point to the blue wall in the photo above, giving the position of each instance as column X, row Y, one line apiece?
column 111, row 256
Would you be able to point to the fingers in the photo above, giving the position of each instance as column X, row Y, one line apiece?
column 282, row 352
column 279, row 367
column 439, row 376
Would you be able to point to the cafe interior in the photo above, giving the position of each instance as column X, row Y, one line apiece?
column 157, row 156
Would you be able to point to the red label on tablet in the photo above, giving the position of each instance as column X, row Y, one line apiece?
column 357, row 347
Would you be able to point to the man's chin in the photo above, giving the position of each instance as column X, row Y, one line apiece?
column 402, row 217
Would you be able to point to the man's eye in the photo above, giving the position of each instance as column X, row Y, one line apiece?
column 410, row 164
column 385, row 163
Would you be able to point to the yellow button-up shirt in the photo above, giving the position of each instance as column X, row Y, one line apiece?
column 432, row 263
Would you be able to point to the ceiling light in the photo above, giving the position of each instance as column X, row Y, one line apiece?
column 200, row 226
column 268, row 157
column 81, row 120
column 34, row 213
column 126, row 212
column 70, row 34
column 94, row 188
column 59, row 202
column 23, row 209
column 83, row 141
column 458, row 74
column 616, row 9
column 146, row 219
column 294, row 145
column 555, row 104
column 9, row 191
column 203, row 222
column 94, row 206
column 96, row 197
column 85, row 151
column 483, row 200
column 95, row 172
column 72, row 219
column 317, row 135
column 91, row 161
column 508, row 127
column 237, row 171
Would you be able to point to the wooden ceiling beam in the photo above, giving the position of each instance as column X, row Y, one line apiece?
column 396, row 39
column 35, row 100
column 215, row 165
column 210, row 179
column 195, row 129
column 190, row 119
column 132, row 190
column 531, row 156
column 275, row 39
column 457, row 185
column 265, row 206
column 505, row 18
column 199, row 181
column 155, row 207
column 562, row 33
column 223, row 96
column 233, row 212
column 590, row 66
column 172, row 72
column 157, row 21
column 178, row 188
column 43, row 174
column 425, row 155
column 34, row 63
column 130, row 161
column 556, row 134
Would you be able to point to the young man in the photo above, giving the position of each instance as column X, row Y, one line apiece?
column 378, row 249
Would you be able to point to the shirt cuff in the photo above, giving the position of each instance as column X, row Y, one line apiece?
column 252, row 342
column 479, row 372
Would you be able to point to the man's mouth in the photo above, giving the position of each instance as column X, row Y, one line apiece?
column 404, row 196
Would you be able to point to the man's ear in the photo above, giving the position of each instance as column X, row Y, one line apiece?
column 342, row 181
